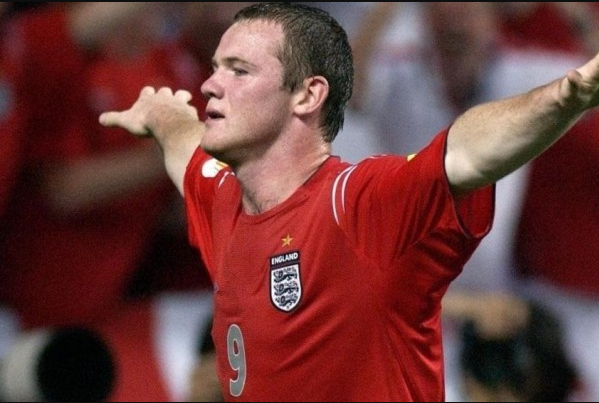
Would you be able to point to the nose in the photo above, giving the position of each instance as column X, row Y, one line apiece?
column 210, row 88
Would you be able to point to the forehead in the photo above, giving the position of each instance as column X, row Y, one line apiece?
column 251, row 40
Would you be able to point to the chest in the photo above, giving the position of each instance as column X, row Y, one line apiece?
column 279, row 266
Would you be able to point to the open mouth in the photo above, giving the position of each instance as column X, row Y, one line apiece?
column 214, row 115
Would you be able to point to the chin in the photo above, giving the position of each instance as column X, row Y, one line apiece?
column 216, row 152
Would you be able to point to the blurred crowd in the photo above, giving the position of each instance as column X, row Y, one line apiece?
column 93, row 234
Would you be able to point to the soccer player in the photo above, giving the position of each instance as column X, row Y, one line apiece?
column 328, row 277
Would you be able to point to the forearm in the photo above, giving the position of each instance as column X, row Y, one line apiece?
column 179, row 146
column 495, row 314
column 87, row 184
column 459, row 306
column 492, row 140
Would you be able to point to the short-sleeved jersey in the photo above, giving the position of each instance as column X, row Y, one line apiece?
column 335, row 294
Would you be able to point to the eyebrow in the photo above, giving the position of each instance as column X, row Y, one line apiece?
column 229, row 61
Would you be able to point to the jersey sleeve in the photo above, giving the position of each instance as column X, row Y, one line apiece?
column 201, row 181
column 393, row 206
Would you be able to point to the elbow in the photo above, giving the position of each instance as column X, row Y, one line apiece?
column 465, row 175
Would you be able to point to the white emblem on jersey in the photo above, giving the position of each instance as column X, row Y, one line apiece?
column 285, row 281
column 212, row 167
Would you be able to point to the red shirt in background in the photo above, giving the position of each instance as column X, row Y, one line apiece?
column 61, row 270
column 559, row 229
column 11, row 128
column 545, row 27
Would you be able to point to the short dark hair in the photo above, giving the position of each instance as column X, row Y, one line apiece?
column 314, row 45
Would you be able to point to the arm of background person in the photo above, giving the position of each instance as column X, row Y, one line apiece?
column 364, row 45
column 492, row 140
column 83, row 185
column 495, row 314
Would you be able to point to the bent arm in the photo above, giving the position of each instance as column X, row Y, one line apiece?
column 494, row 139
column 83, row 185
column 170, row 120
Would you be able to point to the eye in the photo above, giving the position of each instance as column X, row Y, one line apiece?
column 239, row 72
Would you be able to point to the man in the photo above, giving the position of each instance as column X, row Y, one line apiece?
column 74, row 234
column 328, row 277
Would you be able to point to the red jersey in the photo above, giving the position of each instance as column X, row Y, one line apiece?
column 335, row 294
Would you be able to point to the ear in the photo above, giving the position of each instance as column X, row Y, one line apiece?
column 311, row 96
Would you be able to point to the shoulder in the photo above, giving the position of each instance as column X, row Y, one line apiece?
column 367, row 172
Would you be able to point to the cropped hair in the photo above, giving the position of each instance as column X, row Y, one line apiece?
column 314, row 45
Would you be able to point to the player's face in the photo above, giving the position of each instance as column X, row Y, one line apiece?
column 247, row 108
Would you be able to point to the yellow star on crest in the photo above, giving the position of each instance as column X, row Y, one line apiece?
column 287, row 240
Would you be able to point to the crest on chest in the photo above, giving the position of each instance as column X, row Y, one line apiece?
column 285, row 281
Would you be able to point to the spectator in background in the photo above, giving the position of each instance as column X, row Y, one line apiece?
column 556, row 243
column 89, row 199
column 557, row 26
column 556, row 253
column 529, row 363
column 11, row 115
column 11, row 121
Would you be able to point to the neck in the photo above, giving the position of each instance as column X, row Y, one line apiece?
column 270, row 181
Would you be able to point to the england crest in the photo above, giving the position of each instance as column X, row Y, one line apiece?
column 285, row 281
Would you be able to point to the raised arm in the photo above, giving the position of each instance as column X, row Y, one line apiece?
column 494, row 139
column 167, row 117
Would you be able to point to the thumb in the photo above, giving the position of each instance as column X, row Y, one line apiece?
column 124, row 120
column 109, row 118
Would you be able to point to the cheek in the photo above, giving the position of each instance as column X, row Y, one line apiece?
column 265, row 112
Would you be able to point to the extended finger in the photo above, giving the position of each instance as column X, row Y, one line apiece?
column 124, row 120
column 183, row 95
column 147, row 91
column 165, row 90
column 110, row 119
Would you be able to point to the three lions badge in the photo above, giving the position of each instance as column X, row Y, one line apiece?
column 285, row 281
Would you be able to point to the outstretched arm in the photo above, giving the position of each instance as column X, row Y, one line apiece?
column 167, row 117
column 494, row 139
